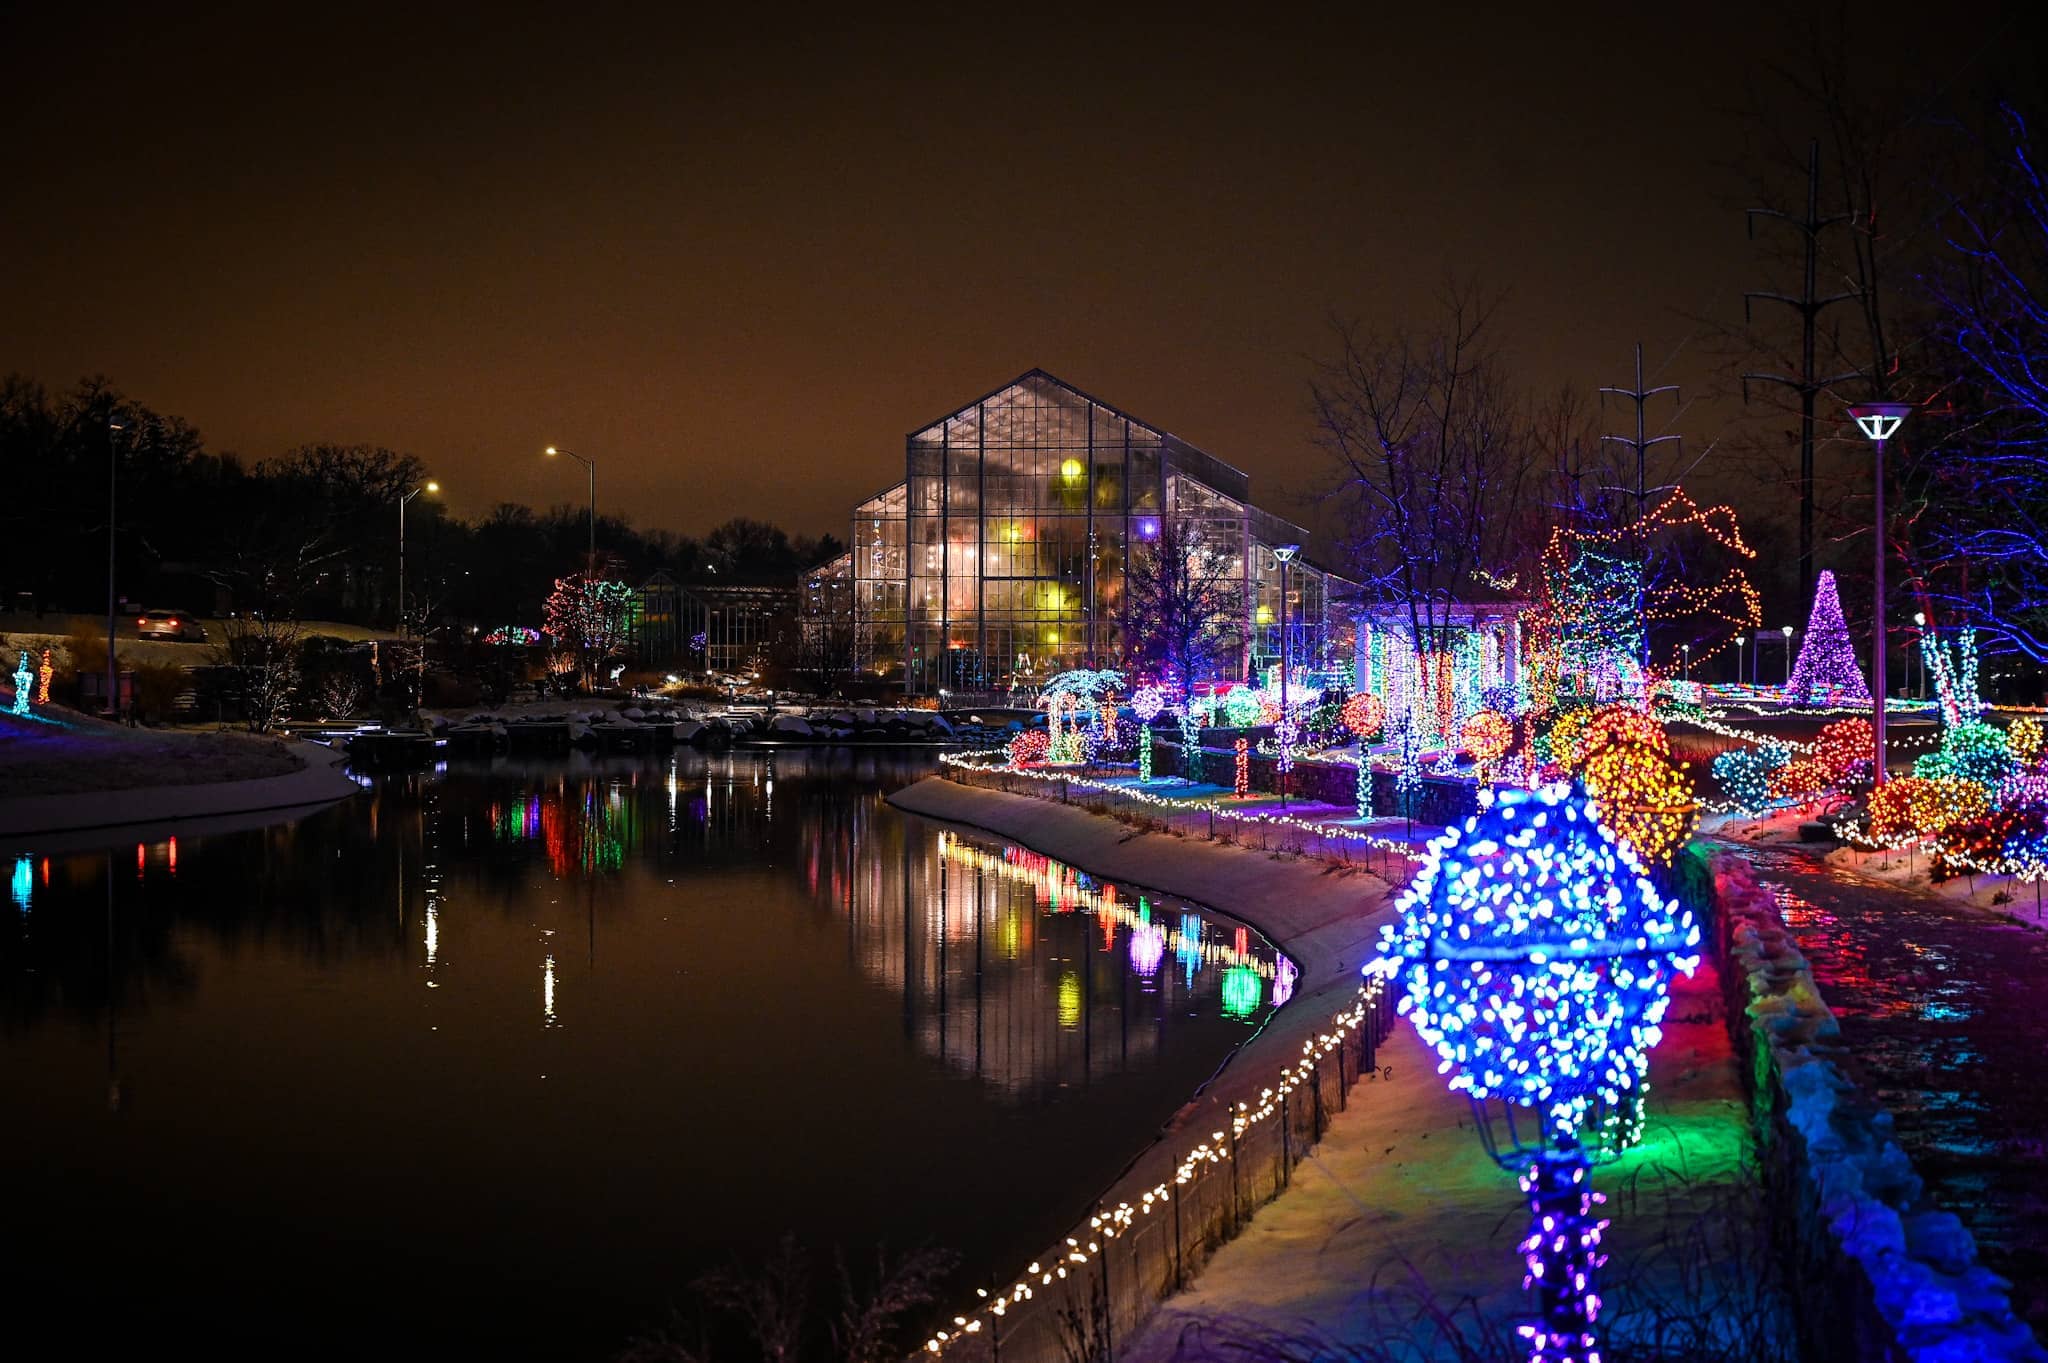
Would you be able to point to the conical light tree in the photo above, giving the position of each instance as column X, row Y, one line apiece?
column 1826, row 671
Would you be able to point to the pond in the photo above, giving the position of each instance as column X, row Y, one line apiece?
column 498, row 1060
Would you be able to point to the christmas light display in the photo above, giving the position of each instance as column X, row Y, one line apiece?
column 1241, row 785
column 1644, row 796
column 2024, row 736
column 1910, row 808
column 1619, row 723
column 1953, row 670
column 1597, row 604
column 1487, row 736
column 1147, row 702
column 1826, row 670
column 1285, row 733
column 1105, row 718
column 1243, row 707
column 1534, row 957
column 1144, row 752
column 1560, row 742
column 1028, row 747
column 1971, row 750
column 1365, row 714
column 43, row 679
column 23, row 683
column 1561, row 1258
column 1745, row 775
column 1846, row 749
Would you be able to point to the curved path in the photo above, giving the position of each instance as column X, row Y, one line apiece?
column 57, row 822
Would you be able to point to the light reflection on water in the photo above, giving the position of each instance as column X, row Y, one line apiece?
column 574, row 1032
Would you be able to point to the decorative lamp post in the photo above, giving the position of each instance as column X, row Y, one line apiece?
column 405, row 629
column 1920, row 625
column 590, row 469
column 1879, row 421
column 1740, row 640
column 1787, row 632
column 1534, row 956
column 1285, row 732
column 1685, row 667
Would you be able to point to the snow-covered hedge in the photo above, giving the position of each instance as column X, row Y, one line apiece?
column 1917, row 1265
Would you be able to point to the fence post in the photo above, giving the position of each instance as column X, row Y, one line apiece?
column 1319, row 1098
column 1286, row 1140
column 1179, row 1273
column 1108, row 1302
column 1235, row 1199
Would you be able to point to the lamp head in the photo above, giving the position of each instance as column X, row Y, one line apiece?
column 433, row 486
column 1920, row 618
column 1786, row 631
column 550, row 450
column 1286, row 552
column 1880, row 420
column 1741, row 639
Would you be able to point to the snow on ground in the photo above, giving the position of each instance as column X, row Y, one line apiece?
column 1401, row 1178
column 60, row 752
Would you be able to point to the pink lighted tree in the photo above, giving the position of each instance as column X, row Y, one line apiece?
column 1826, row 670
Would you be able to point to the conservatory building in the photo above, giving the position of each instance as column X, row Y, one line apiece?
column 1000, row 558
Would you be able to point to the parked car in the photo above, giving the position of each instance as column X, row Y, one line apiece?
column 170, row 624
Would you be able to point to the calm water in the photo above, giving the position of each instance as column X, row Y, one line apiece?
column 494, row 1062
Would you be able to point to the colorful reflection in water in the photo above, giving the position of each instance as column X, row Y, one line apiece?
column 509, row 1007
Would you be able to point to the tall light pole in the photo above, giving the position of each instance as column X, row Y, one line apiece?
column 114, row 427
column 590, row 469
column 1787, row 632
column 404, row 629
column 1740, row 640
column 1920, row 626
column 1879, row 421
column 1685, row 667
column 1285, row 553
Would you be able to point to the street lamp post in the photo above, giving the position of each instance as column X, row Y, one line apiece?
column 1285, row 553
column 1787, row 632
column 1685, row 667
column 590, row 469
column 1740, row 640
column 1920, row 630
column 1879, row 421
column 404, row 629
column 114, row 427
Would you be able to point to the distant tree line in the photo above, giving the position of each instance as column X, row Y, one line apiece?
column 311, row 533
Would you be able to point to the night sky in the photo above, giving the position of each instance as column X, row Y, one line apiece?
column 735, row 261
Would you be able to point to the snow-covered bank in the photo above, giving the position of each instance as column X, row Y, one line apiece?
column 1886, row 1273
column 90, row 817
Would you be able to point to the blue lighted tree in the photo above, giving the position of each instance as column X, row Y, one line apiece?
column 1535, row 957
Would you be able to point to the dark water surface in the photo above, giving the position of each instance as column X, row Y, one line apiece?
column 493, row 1062
column 1940, row 1004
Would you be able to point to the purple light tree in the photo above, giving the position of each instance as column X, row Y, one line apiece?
column 1826, row 672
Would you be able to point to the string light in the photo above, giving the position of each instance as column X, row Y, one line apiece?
column 1644, row 796
column 1535, row 956
column 23, row 685
column 43, row 679
column 2025, row 737
column 1242, row 785
column 1030, row 746
column 1487, row 736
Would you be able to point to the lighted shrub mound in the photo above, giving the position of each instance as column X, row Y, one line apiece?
column 1921, row 806
column 1029, row 747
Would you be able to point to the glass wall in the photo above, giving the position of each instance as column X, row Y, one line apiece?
column 881, row 585
column 1021, row 508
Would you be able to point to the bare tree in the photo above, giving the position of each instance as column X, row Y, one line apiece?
column 1185, row 596
column 1436, row 467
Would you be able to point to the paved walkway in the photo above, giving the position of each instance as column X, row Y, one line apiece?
column 1400, row 1207
column 1401, row 1179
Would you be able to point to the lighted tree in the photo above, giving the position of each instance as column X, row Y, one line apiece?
column 1826, row 671
column 591, row 616
column 1186, row 602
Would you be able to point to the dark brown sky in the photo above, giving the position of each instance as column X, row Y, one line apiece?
column 736, row 261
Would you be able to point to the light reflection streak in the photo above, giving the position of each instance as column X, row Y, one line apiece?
column 24, row 882
column 547, row 993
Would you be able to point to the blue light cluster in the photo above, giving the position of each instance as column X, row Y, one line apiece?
column 1535, row 957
